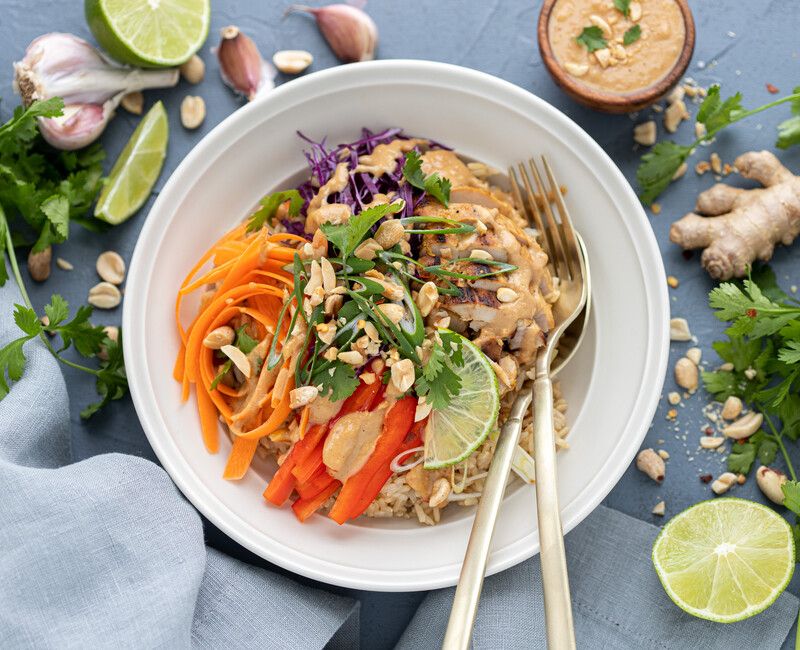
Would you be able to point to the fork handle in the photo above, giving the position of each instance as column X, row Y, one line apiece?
column 557, row 602
column 470, row 583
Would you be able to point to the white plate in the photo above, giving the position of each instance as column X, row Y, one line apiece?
column 612, row 385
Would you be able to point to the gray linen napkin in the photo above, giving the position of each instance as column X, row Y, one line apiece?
column 106, row 553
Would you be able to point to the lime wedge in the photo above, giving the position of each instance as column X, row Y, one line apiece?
column 136, row 170
column 725, row 559
column 454, row 432
column 149, row 33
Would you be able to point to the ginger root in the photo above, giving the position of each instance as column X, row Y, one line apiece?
column 742, row 225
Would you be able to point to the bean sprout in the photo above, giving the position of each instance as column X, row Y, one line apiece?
column 464, row 496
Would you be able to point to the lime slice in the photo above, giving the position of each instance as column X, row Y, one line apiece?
column 725, row 559
column 454, row 432
column 133, row 175
column 149, row 33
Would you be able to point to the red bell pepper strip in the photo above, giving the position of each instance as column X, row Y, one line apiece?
column 282, row 484
column 376, row 483
column 304, row 508
column 396, row 425
column 304, row 471
column 284, row 481
column 311, row 488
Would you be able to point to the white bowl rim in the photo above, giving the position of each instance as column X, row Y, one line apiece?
column 652, row 274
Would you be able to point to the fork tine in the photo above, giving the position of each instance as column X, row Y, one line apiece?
column 567, row 230
column 546, row 238
column 561, row 263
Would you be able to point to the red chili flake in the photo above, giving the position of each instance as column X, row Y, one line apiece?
column 708, row 431
column 741, row 441
column 752, row 313
column 687, row 255
column 772, row 89
column 706, row 478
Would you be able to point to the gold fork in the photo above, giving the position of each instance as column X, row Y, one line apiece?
column 568, row 262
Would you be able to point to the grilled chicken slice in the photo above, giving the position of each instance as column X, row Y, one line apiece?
column 521, row 318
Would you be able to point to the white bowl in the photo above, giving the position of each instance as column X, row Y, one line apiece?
column 612, row 385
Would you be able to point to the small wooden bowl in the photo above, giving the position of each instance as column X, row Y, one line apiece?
column 614, row 102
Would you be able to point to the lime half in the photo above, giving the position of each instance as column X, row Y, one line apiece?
column 149, row 33
column 454, row 432
column 133, row 175
column 725, row 559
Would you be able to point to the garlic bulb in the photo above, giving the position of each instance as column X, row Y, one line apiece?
column 351, row 33
column 63, row 65
column 241, row 65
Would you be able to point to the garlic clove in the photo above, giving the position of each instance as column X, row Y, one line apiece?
column 77, row 127
column 241, row 65
column 351, row 33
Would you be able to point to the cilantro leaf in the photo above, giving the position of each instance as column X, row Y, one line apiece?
column 791, row 492
column 23, row 124
column 27, row 320
column 57, row 311
column 347, row 236
column 789, row 130
column 592, row 38
column 767, row 450
column 790, row 353
column 657, row 168
column 433, row 184
column 632, row 35
column 111, row 382
column 246, row 344
column 55, row 229
column 439, row 381
column 742, row 457
column 717, row 113
column 269, row 206
column 623, row 6
column 244, row 341
column 12, row 362
column 337, row 381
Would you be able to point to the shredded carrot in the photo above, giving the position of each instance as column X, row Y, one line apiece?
column 248, row 278
column 301, row 429
column 241, row 456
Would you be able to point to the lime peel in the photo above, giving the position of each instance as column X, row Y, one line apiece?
column 456, row 431
column 725, row 560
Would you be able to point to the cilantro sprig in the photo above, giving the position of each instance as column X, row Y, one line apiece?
column 439, row 381
column 658, row 166
column 763, row 346
column 433, row 184
column 88, row 341
column 43, row 191
column 592, row 38
column 269, row 206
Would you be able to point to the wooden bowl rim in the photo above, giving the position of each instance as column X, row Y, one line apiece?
column 645, row 96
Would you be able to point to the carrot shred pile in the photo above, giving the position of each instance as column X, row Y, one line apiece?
column 247, row 280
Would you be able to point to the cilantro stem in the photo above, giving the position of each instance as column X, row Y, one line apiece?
column 779, row 440
column 12, row 257
column 753, row 111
